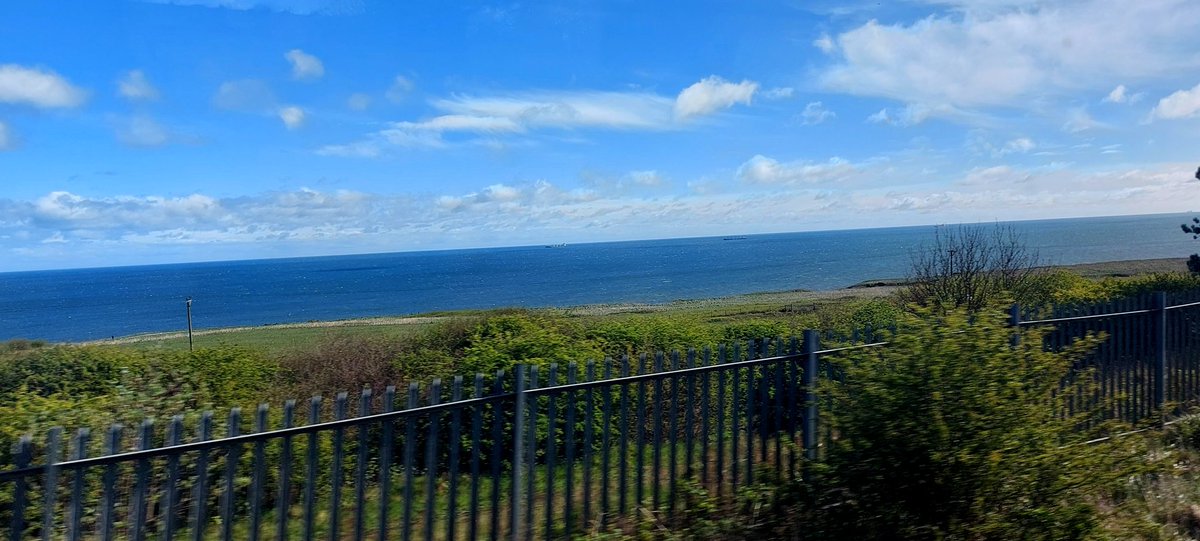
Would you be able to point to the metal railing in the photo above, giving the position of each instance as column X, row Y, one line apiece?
column 531, row 453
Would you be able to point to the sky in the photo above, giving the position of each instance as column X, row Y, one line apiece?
column 160, row 131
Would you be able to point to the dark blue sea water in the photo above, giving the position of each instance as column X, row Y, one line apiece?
column 85, row 304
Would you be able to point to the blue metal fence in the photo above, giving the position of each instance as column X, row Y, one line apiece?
column 533, row 453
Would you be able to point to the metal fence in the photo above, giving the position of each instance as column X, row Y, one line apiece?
column 532, row 453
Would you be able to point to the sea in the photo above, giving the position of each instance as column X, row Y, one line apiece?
column 99, row 303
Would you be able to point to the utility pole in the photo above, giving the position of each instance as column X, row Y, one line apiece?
column 189, row 321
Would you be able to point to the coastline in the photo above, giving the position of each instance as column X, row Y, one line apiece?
column 867, row 289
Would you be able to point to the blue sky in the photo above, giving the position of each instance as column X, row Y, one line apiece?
column 162, row 131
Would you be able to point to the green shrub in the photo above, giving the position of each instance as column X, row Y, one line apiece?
column 1059, row 286
column 500, row 342
column 951, row 433
column 1065, row 287
column 21, row 344
column 757, row 329
column 649, row 334
column 437, row 351
column 876, row 314
column 81, row 371
column 339, row 362
column 230, row 375
column 1171, row 282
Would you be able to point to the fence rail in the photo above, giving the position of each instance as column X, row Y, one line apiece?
column 523, row 454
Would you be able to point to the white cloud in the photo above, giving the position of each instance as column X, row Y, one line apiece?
column 816, row 113
column 1021, row 145
column 135, row 87
column 37, row 87
column 979, row 143
column 647, row 178
column 503, row 201
column 67, row 211
column 7, row 141
column 293, row 117
column 763, row 170
column 631, row 182
column 712, row 94
column 1078, row 120
column 1011, row 54
column 444, row 123
column 142, row 131
column 248, row 95
column 779, row 93
column 358, row 101
column 56, row 238
column 1180, row 104
column 362, row 149
column 825, row 44
column 528, row 111
column 305, row 66
column 295, row 7
column 423, row 134
column 1117, row 95
column 400, row 89
column 915, row 113
column 568, row 109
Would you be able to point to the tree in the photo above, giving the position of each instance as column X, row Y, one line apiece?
column 970, row 267
column 1193, row 229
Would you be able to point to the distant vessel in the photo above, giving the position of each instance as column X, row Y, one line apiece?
column 735, row 238
column 561, row 245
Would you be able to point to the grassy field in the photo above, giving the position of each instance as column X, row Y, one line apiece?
column 274, row 338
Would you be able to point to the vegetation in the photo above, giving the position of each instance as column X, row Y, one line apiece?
column 1193, row 229
column 950, row 433
column 969, row 266
column 947, row 433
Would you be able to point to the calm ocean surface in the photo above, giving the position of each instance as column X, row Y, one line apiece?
column 87, row 304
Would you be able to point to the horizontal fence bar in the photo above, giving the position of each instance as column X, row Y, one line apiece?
column 251, row 438
column 1177, row 306
column 1088, row 317
column 850, row 348
column 651, row 376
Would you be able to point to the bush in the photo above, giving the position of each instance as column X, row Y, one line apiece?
column 503, row 341
column 338, row 363
column 230, row 375
column 951, row 433
column 436, row 352
column 1175, row 282
column 1067, row 288
column 649, row 334
column 874, row 314
column 755, row 330
column 971, row 267
column 82, row 371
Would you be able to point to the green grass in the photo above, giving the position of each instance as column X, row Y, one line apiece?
column 274, row 340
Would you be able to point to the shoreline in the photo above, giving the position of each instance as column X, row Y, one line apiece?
column 866, row 289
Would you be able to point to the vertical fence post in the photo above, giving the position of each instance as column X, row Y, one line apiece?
column 809, row 384
column 50, row 490
column 1014, row 320
column 518, row 450
column 1160, row 351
